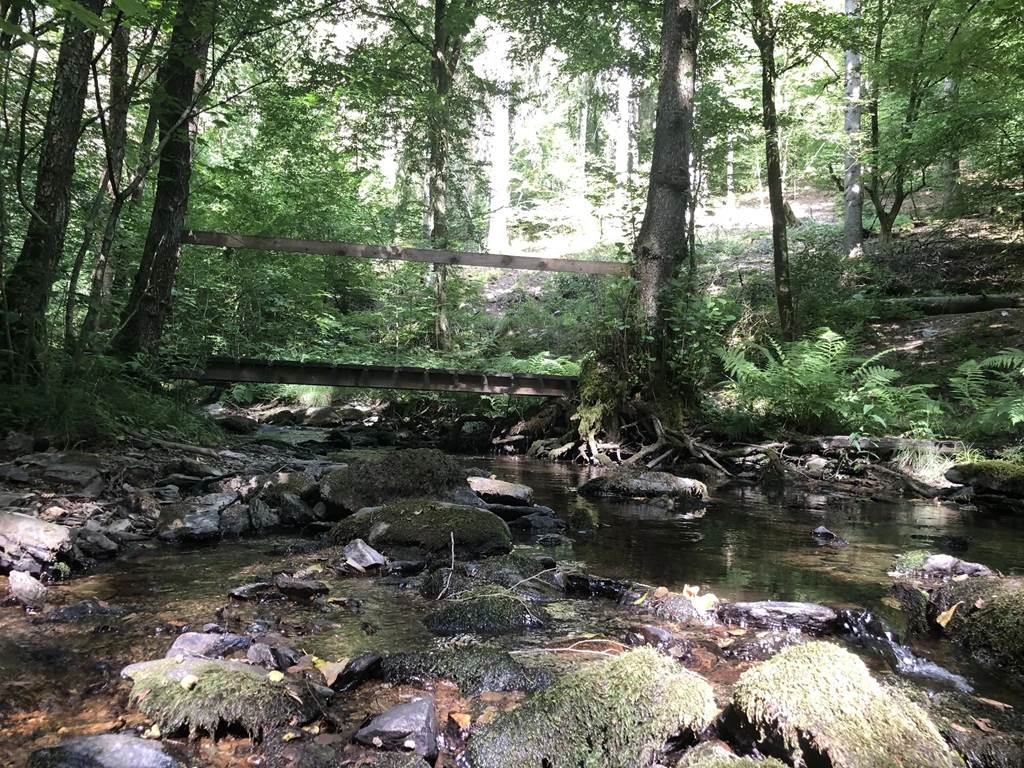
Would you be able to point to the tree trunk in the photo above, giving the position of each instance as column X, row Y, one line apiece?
column 853, row 197
column 730, row 171
column 438, row 189
column 149, row 304
column 949, row 171
column 30, row 281
column 764, row 38
column 586, row 88
column 661, row 246
column 501, row 145
column 624, row 87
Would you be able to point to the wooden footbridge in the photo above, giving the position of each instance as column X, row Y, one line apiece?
column 228, row 370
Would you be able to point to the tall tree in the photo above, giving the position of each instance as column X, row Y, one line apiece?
column 149, row 304
column 27, row 290
column 853, row 193
column 661, row 246
column 765, row 30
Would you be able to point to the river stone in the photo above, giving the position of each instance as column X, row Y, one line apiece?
column 772, row 614
column 261, row 516
column 30, row 544
column 627, row 482
column 237, row 423
column 109, row 750
column 616, row 713
column 26, row 588
column 251, row 591
column 362, row 556
column 303, row 589
column 817, row 704
column 501, row 492
column 403, row 474
column 95, row 543
column 200, row 694
column 357, row 671
column 234, row 521
column 485, row 611
column 207, row 645
column 302, row 484
column 539, row 522
column 195, row 520
column 475, row 669
column 407, row 727
column 510, row 512
column 947, row 565
column 294, row 511
column 1002, row 477
column 81, row 611
column 430, row 526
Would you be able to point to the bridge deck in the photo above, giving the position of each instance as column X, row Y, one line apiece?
column 219, row 369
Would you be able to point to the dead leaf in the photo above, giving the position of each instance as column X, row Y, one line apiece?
column 691, row 592
column 959, row 728
column 705, row 603
column 980, row 603
column 961, row 577
column 737, row 631
column 276, row 676
column 331, row 669
column 984, row 724
column 642, row 599
column 947, row 615
column 659, row 593
column 993, row 703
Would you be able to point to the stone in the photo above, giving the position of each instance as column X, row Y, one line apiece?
column 403, row 474
column 80, row 611
column 234, row 521
column 501, row 492
column 1000, row 477
column 363, row 667
column 713, row 755
column 237, row 423
column 272, row 655
column 407, row 727
column 262, row 517
column 26, row 588
column 817, row 704
column 615, row 713
column 206, row 645
column 946, row 566
column 30, row 544
column 95, row 543
column 197, row 519
column 825, row 536
column 475, row 669
column 303, row 589
column 108, row 750
column 13, row 474
column 430, row 526
column 772, row 614
column 294, row 511
column 539, row 522
column 362, row 556
column 252, row 591
column 18, row 444
column 627, row 482
column 302, row 484
column 78, row 475
column 485, row 611
column 510, row 512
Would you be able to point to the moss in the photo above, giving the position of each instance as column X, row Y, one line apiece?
column 430, row 526
column 614, row 714
column 405, row 474
column 474, row 669
column 485, row 611
column 996, row 475
column 504, row 570
column 817, row 704
column 223, row 692
column 713, row 756
column 584, row 519
column 910, row 561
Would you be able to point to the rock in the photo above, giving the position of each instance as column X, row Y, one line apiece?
column 584, row 519
column 627, row 482
column 485, row 611
column 210, row 646
column 234, row 521
column 302, row 484
column 817, row 704
column 510, row 512
column 13, row 474
column 771, row 614
column 26, row 589
column 195, row 520
column 405, row 474
column 18, row 444
column 303, row 589
column 261, row 516
column 74, row 469
column 29, row 544
column 179, row 481
column 615, row 714
column 95, row 543
column 1001, row 477
column 407, row 727
column 554, row 540
column 108, row 750
column 81, row 611
column 237, row 423
column 272, row 655
column 539, row 522
column 475, row 669
column 363, row 667
column 252, row 591
column 501, row 492
column 229, row 692
column 361, row 556
column 815, row 466
column 909, row 561
column 947, row 566
column 825, row 536
column 294, row 511
column 429, row 526
column 712, row 755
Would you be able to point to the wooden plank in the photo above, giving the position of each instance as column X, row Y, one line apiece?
column 394, row 252
column 220, row 369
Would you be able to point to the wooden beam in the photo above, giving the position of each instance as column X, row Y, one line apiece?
column 394, row 252
column 221, row 369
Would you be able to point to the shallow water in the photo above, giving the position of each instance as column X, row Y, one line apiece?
column 747, row 546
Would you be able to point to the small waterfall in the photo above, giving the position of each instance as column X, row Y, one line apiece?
column 870, row 632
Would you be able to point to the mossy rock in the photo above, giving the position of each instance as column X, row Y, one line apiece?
column 407, row 474
column 485, row 611
column 626, row 482
column 910, row 561
column 714, row 756
column 202, row 694
column 584, row 519
column 818, row 705
column 474, row 669
column 504, row 570
column 614, row 714
column 1004, row 477
column 428, row 525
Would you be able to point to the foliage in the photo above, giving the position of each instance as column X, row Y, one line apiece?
column 990, row 393
column 818, row 385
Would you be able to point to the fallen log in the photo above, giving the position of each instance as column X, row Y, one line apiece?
column 958, row 305
column 882, row 447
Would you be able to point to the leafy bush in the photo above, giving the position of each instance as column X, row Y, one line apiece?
column 818, row 385
column 990, row 393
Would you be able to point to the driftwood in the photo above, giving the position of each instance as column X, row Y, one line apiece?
column 880, row 446
column 182, row 447
column 957, row 305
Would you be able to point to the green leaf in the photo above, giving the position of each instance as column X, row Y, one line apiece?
column 132, row 7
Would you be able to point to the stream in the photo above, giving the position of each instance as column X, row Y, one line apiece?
column 62, row 678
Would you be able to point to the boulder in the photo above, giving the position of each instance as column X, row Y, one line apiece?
column 208, row 645
column 200, row 694
column 294, row 511
column 408, row 727
column 712, row 755
column 73, row 468
column 302, row 484
column 29, row 544
column 405, row 474
column 817, row 704
column 272, row 655
column 80, row 611
column 237, row 423
column 823, row 535
column 95, row 543
column 510, row 512
column 26, row 589
column 475, row 669
column 108, row 750
column 627, row 482
column 357, row 671
column 947, row 566
column 485, row 611
column 501, row 492
column 235, row 521
column 772, row 614
column 616, row 714
column 252, row 591
column 361, row 556
column 261, row 516
column 539, row 522
column 302, row 589
column 1000, row 477
column 195, row 520
column 430, row 526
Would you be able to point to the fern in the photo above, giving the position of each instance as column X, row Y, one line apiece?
column 990, row 393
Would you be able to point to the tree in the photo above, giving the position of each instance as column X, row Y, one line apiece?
column 27, row 290
column 661, row 246
column 148, row 306
column 853, row 197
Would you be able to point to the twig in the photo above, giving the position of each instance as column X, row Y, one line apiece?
column 451, row 571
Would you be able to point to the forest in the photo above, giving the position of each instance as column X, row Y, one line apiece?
column 492, row 384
